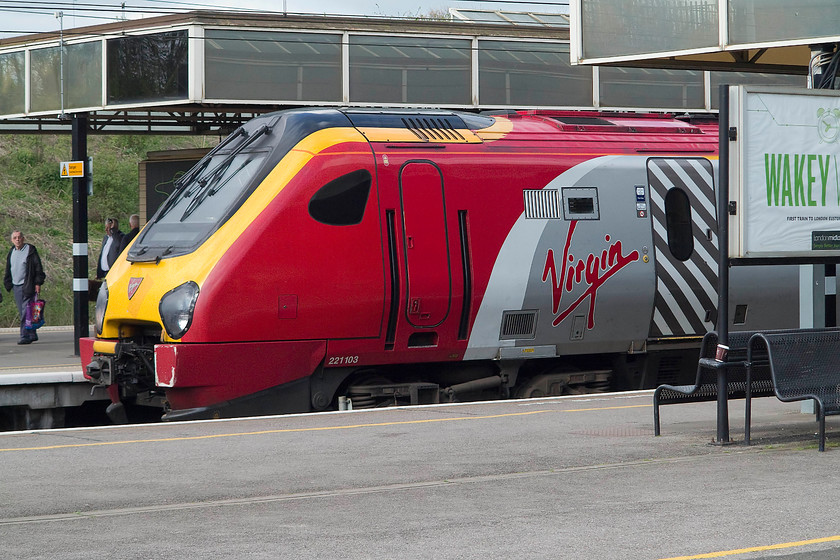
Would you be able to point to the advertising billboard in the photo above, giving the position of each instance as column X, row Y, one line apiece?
column 784, row 177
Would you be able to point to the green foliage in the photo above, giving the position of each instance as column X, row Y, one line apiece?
column 36, row 200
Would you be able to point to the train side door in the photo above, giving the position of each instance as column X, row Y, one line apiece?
column 682, row 195
column 428, row 279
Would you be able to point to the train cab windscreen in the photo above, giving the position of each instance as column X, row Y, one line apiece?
column 211, row 192
column 206, row 196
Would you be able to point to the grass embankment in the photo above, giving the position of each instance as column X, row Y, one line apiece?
column 36, row 200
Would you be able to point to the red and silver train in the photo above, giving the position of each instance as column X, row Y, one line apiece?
column 401, row 256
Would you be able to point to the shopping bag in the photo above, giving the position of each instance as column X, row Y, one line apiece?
column 34, row 318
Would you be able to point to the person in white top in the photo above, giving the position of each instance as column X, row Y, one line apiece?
column 110, row 247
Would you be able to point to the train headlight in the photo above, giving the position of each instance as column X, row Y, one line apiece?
column 101, row 306
column 176, row 309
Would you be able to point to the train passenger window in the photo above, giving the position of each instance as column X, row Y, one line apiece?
column 678, row 224
column 342, row 201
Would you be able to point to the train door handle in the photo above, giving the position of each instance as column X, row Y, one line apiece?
column 414, row 307
column 410, row 242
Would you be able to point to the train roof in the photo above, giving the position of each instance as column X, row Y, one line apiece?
column 639, row 132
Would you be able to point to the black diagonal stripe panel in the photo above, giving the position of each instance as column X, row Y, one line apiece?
column 699, row 229
column 660, row 304
column 684, row 304
column 707, row 188
column 656, row 184
column 670, row 320
column 705, row 301
column 660, row 242
column 661, row 245
column 692, row 191
column 678, row 278
column 708, row 270
column 697, row 191
column 709, row 245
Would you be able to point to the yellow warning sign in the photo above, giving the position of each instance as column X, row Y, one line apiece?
column 72, row 169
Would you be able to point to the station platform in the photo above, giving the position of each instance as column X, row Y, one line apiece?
column 53, row 353
column 568, row 477
column 42, row 379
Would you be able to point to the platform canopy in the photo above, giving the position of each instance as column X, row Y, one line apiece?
column 506, row 17
column 208, row 72
column 740, row 35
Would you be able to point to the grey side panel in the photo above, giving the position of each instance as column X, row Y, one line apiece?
column 581, row 271
column 590, row 302
column 686, row 291
column 764, row 297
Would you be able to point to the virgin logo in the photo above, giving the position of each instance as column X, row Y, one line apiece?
column 133, row 284
column 592, row 272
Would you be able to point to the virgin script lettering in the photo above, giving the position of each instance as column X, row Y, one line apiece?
column 591, row 272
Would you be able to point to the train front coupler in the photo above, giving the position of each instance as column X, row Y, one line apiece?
column 100, row 371
column 124, row 371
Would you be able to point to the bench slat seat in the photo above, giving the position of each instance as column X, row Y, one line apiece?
column 803, row 365
column 705, row 387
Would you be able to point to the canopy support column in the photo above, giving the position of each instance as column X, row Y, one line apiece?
column 81, row 313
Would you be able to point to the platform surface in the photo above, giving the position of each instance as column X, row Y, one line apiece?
column 52, row 357
column 577, row 478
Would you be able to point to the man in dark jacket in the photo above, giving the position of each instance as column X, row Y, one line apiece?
column 24, row 277
column 134, row 224
column 110, row 247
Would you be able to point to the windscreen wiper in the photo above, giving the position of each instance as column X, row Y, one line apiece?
column 195, row 170
column 214, row 173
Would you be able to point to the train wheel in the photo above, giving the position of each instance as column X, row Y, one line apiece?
column 362, row 389
column 562, row 382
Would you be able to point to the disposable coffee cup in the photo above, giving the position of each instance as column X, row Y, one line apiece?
column 721, row 352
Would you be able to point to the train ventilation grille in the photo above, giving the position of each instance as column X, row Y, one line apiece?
column 433, row 129
column 542, row 204
column 519, row 324
column 669, row 370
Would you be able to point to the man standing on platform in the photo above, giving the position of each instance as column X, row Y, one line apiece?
column 24, row 277
column 110, row 247
column 134, row 224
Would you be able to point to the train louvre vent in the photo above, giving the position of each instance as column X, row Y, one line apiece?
column 518, row 324
column 582, row 121
column 542, row 204
column 433, row 129
column 669, row 370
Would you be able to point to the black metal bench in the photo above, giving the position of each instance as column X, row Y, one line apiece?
column 803, row 364
column 705, row 383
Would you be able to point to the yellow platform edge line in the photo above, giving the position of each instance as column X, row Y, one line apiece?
column 779, row 546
